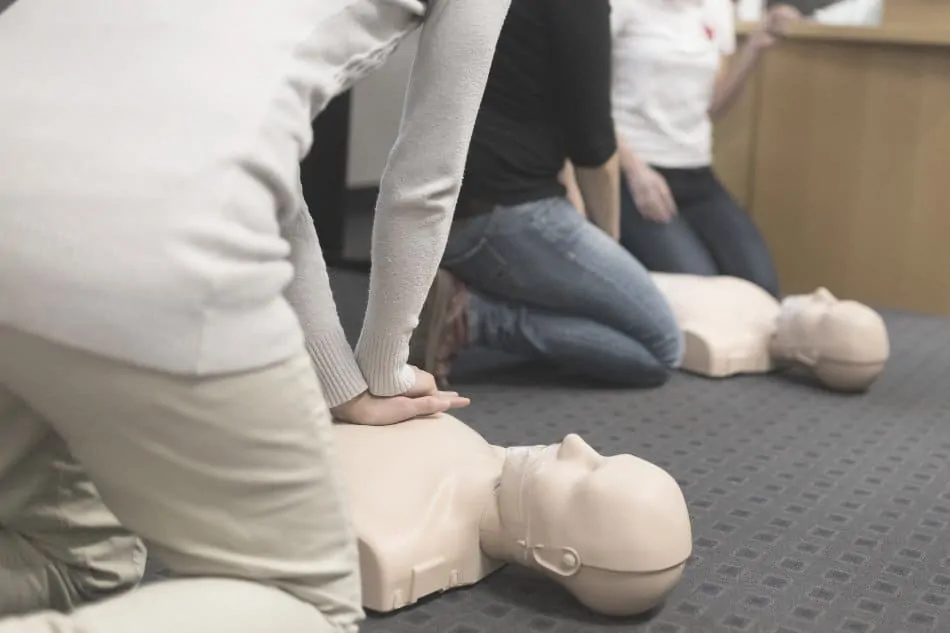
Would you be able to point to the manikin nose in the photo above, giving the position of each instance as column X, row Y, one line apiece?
column 824, row 295
column 575, row 449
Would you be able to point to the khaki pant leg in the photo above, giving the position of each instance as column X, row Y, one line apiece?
column 185, row 606
column 60, row 547
column 229, row 476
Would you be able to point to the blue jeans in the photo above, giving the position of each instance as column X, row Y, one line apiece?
column 547, row 284
column 710, row 235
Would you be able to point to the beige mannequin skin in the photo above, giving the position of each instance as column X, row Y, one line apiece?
column 732, row 326
column 435, row 507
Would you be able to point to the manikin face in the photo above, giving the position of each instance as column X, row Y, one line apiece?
column 571, row 506
column 819, row 301
column 799, row 323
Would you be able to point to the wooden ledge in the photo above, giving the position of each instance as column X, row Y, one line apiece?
column 897, row 35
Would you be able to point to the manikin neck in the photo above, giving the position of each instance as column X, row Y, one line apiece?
column 789, row 343
column 494, row 541
column 504, row 533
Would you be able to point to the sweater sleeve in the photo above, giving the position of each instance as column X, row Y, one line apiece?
column 422, row 178
column 311, row 297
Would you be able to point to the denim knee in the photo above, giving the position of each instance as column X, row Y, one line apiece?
column 769, row 282
column 655, row 376
column 666, row 342
column 674, row 349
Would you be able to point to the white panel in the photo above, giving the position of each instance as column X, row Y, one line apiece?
column 374, row 118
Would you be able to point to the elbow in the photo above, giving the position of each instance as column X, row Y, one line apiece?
column 716, row 109
column 592, row 146
column 594, row 156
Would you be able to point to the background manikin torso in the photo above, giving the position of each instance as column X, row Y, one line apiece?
column 405, row 556
column 727, row 322
column 731, row 326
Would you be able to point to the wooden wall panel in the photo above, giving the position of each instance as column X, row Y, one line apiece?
column 852, row 170
column 917, row 13
column 734, row 146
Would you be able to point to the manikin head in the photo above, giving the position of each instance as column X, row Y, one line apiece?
column 843, row 343
column 614, row 531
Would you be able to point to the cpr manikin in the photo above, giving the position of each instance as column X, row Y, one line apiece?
column 435, row 506
column 731, row 326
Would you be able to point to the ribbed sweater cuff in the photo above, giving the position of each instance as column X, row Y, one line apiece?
column 383, row 363
column 336, row 366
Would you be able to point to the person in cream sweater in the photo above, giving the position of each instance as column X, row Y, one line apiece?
column 169, row 346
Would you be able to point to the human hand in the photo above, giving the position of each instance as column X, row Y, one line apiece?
column 424, row 385
column 775, row 24
column 651, row 193
column 422, row 399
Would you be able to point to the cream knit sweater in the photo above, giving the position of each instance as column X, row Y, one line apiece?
column 150, row 206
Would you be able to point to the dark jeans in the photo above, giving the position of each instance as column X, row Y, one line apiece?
column 545, row 283
column 710, row 235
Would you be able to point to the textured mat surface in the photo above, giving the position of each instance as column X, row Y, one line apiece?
column 812, row 512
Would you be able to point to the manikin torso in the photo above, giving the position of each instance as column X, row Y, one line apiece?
column 417, row 495
column 731, row 326
column 435, row 507
column 727, row 322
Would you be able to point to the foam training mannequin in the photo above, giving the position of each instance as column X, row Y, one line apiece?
column 731, row 326
column 435, row 506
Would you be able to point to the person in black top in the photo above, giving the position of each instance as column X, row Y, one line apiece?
column 523, row 270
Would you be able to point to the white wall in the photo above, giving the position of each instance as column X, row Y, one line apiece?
column 374, row 117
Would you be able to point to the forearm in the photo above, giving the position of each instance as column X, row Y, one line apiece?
column 421, row 181
column 600, row 189
column 569, row 180
column 629, row 161
column 735, row 76
column 311, row 297
column 374, row 28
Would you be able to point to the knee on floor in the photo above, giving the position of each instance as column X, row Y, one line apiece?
column 113, row 567
column 634, row 373
column 669, row 347
column 93, row 572
column 767, row 282
column 44, row 573
column 658, row 377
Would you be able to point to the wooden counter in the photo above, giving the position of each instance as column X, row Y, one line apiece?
column 840, row 148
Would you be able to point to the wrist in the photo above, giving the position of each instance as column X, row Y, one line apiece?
column 630, row 164
column 340, row 376
column 383, row 362
column 760, row 39
column 342, row 410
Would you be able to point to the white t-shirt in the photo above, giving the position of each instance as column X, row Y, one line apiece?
column 852, row 13
column 666, row 54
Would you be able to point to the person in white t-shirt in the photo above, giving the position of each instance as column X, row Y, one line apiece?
column 851, row 13
column 670, row 81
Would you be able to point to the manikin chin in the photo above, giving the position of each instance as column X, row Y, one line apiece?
column 435, row 507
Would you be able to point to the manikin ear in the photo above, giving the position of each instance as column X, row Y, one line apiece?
column 807, row 357
column 563, row 561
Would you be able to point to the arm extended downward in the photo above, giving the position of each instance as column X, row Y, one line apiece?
column 422, row 178
column 418, row 190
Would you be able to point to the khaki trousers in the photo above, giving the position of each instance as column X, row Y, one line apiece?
column 224, row 477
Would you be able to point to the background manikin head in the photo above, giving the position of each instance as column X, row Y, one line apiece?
column 844, row 343
column 614, row 531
